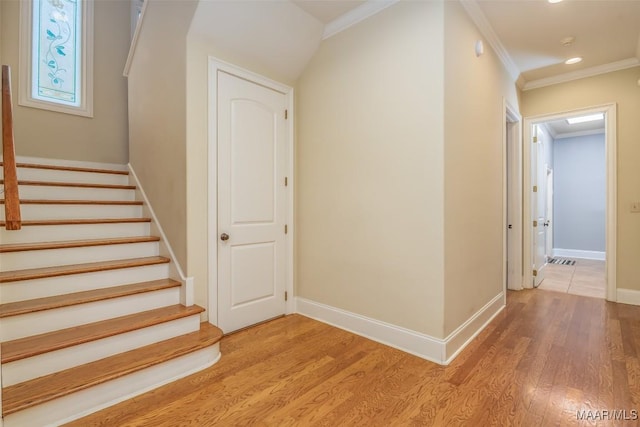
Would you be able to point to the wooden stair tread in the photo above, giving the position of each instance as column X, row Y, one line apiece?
column 76, row 202
column 80, row 221
column 43, row 343
column 20, row 247
column 38, row 273
column 58, row 301
column 74, row 184
column 69, row 168
column 39, row 390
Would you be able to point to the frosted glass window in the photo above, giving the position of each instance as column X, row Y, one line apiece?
column 56, row 51
column 56, row 56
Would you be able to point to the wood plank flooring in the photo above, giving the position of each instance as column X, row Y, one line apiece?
column 545, row 357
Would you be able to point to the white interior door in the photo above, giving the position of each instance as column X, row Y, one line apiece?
column 252, row 143
column 539, row 180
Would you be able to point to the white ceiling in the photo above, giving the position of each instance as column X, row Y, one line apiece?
column 562, row 129
column 327, row 10
column 605, row 31
column 527, row 33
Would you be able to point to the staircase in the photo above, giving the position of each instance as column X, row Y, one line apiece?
column 90, row 311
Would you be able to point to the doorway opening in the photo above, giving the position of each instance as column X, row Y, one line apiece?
column 569, row 203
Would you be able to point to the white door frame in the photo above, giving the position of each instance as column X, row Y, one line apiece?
column 549, row 213
column 611, row 188
column 511, row 115
column 216, row 65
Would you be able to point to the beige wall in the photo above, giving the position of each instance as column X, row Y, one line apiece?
column 386, row 147
column 369, row 169
column 197, row 164
column 103, row 138
column 157, row 116
column 619, row 87
column 474, row 123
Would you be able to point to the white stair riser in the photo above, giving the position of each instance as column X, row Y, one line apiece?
column 40, row 322
column 50, row 286
column 68, row 256
column 92, row 399
column 50, row 175
column 55, row 361
column 74, row 193
column 55, row 233
column 47, row 211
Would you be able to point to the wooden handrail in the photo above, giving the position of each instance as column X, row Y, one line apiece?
column 11, row 196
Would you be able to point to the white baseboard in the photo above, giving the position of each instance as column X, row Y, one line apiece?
column 465, row 333
column 441, row 351
column 70, row 163
column 576, row 253
column 187, row 297
column 628, row 296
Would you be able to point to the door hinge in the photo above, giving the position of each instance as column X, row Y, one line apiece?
column 535, row 223
column 535, row 188
column 286, row 181
column 535, row 139
column 286, row 295
column 535, row 273
column 286, row 229
column 286, row 114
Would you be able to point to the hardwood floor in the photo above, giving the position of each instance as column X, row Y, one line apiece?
column 545, row 357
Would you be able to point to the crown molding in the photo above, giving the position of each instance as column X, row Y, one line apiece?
column 360, row 13
column 581, row 74
column 478, row 17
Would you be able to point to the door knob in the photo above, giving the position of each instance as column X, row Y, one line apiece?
column 224, row 237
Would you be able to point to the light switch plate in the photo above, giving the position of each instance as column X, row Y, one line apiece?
column 635, row 207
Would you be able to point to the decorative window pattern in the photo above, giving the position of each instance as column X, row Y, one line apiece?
column 56, row 51
column 56, row 57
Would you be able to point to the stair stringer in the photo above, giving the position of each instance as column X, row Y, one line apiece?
column 175, row 271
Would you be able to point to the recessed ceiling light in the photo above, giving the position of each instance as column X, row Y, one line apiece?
column 582, row 119
column 554, row 1
column 573, row 60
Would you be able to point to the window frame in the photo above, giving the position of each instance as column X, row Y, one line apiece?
column 25, row 74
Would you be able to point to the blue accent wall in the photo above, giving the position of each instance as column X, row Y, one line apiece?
column 579, row 197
